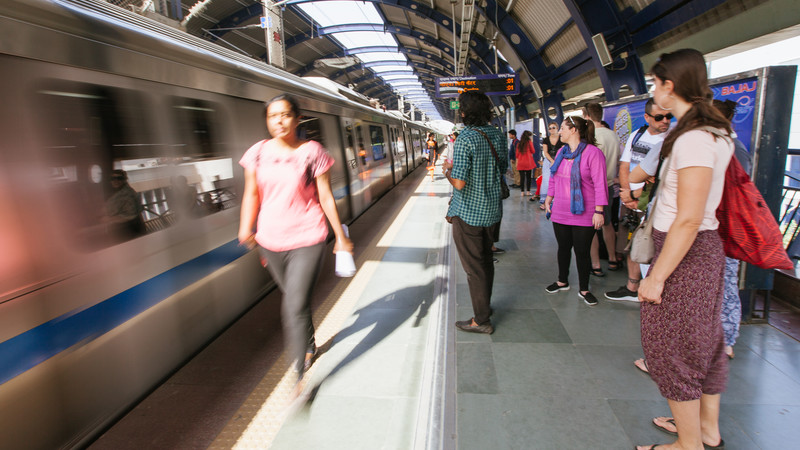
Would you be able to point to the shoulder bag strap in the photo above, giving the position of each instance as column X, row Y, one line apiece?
column 494, row 152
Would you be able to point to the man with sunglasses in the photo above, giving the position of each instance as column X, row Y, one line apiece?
column 638, row 146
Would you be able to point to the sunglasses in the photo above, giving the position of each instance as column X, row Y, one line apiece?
column 660, row 117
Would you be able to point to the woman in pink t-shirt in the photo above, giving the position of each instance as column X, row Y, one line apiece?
column 576, row 197
column 288, row 191
column 682, row 294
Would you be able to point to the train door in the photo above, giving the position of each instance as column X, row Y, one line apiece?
column 381, row 164
column 322, row 128
column 409, row 150
column 400, row 152
column 355, row 164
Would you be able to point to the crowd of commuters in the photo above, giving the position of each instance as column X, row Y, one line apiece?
column 690, row 308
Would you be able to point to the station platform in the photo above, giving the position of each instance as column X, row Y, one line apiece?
column 394, row 373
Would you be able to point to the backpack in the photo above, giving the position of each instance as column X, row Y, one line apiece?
column 747, row 227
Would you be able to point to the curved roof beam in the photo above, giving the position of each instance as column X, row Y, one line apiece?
column 594, row 17
column 481, row 46
column 378, row 48
column 518, row 40
column 385, row 28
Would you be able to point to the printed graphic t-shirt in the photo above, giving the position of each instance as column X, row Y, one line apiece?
column 646, row 144
column 290, row 215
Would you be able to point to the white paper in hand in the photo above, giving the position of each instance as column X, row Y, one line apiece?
column 345, row 266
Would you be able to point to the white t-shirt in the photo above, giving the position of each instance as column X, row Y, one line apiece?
column 646, row 144
column 608, row 143
column 693, row 149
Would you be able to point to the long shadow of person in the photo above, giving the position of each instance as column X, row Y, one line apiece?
column 382, row 317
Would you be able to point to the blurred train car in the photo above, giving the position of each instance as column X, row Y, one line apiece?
column 99, row 304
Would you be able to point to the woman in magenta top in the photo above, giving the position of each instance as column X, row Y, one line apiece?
column 525, row 162
column 288, row 191
column 576, row 196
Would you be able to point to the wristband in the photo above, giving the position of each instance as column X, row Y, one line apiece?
column 599, row 212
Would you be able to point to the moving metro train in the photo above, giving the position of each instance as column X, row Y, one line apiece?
column 97, row 306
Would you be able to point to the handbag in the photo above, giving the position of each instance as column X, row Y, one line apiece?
column 641, row 247
column 504, row 192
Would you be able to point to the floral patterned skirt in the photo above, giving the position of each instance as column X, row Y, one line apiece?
column 682, row 337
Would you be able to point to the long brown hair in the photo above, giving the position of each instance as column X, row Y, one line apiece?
column 686, row 68
column 522, row 145
column 585, row 128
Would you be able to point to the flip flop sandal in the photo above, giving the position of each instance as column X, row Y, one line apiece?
column 643, row 367
column 665, row 430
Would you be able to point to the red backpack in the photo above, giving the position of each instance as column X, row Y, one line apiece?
column 747, row 227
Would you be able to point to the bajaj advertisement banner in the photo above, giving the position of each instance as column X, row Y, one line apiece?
column 626, row 118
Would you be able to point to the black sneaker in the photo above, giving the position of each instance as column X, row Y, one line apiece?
column 555, row 287
column 588, row 298
column 498, row 251
column 623, row 294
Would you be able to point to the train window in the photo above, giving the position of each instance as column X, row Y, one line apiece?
column 111, row 178
column 362, row 149
column 311, row 129
column 352, row 164
column 197, row 178
column 84, row 129
column 378, row 144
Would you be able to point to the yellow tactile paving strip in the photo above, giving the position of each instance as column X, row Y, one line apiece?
column 262, row 414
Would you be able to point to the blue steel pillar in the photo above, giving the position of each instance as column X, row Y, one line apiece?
column 602, row 17
column 553, row 100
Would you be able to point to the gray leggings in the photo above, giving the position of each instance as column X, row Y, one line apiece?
column 296, row 272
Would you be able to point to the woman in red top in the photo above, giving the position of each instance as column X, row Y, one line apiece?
column 525, row 162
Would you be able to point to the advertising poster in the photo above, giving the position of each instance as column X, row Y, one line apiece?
column 625, row 119
column 743, row 92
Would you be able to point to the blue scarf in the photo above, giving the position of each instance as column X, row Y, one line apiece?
column 576, row 196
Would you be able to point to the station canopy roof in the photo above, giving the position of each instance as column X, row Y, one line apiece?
column 384, row 49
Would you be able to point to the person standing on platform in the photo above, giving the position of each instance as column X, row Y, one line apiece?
column 552, row 143
column 576, row 198
column 639, row 145
column 525, row 162
column 681, row 296
column 476, row 207
column 608, row 143
column 433, row 149
column 512, row 158
column 288, row 193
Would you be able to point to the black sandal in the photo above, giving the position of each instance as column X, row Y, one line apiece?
column 598, row 272
column 614, row 266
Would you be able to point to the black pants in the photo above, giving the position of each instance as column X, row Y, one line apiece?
column 474, row 246
column 579, row 238
column 296, row 271
column 525, row 180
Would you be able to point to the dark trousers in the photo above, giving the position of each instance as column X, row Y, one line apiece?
column 296, row 272
column 579, row 238
column 525, row 180
column 474, row 246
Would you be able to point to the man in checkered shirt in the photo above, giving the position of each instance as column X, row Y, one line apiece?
column 476, row 207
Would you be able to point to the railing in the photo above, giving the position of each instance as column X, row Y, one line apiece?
column 790, row 214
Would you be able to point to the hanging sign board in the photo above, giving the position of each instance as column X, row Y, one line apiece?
column 500, row 84
column 272, row 22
